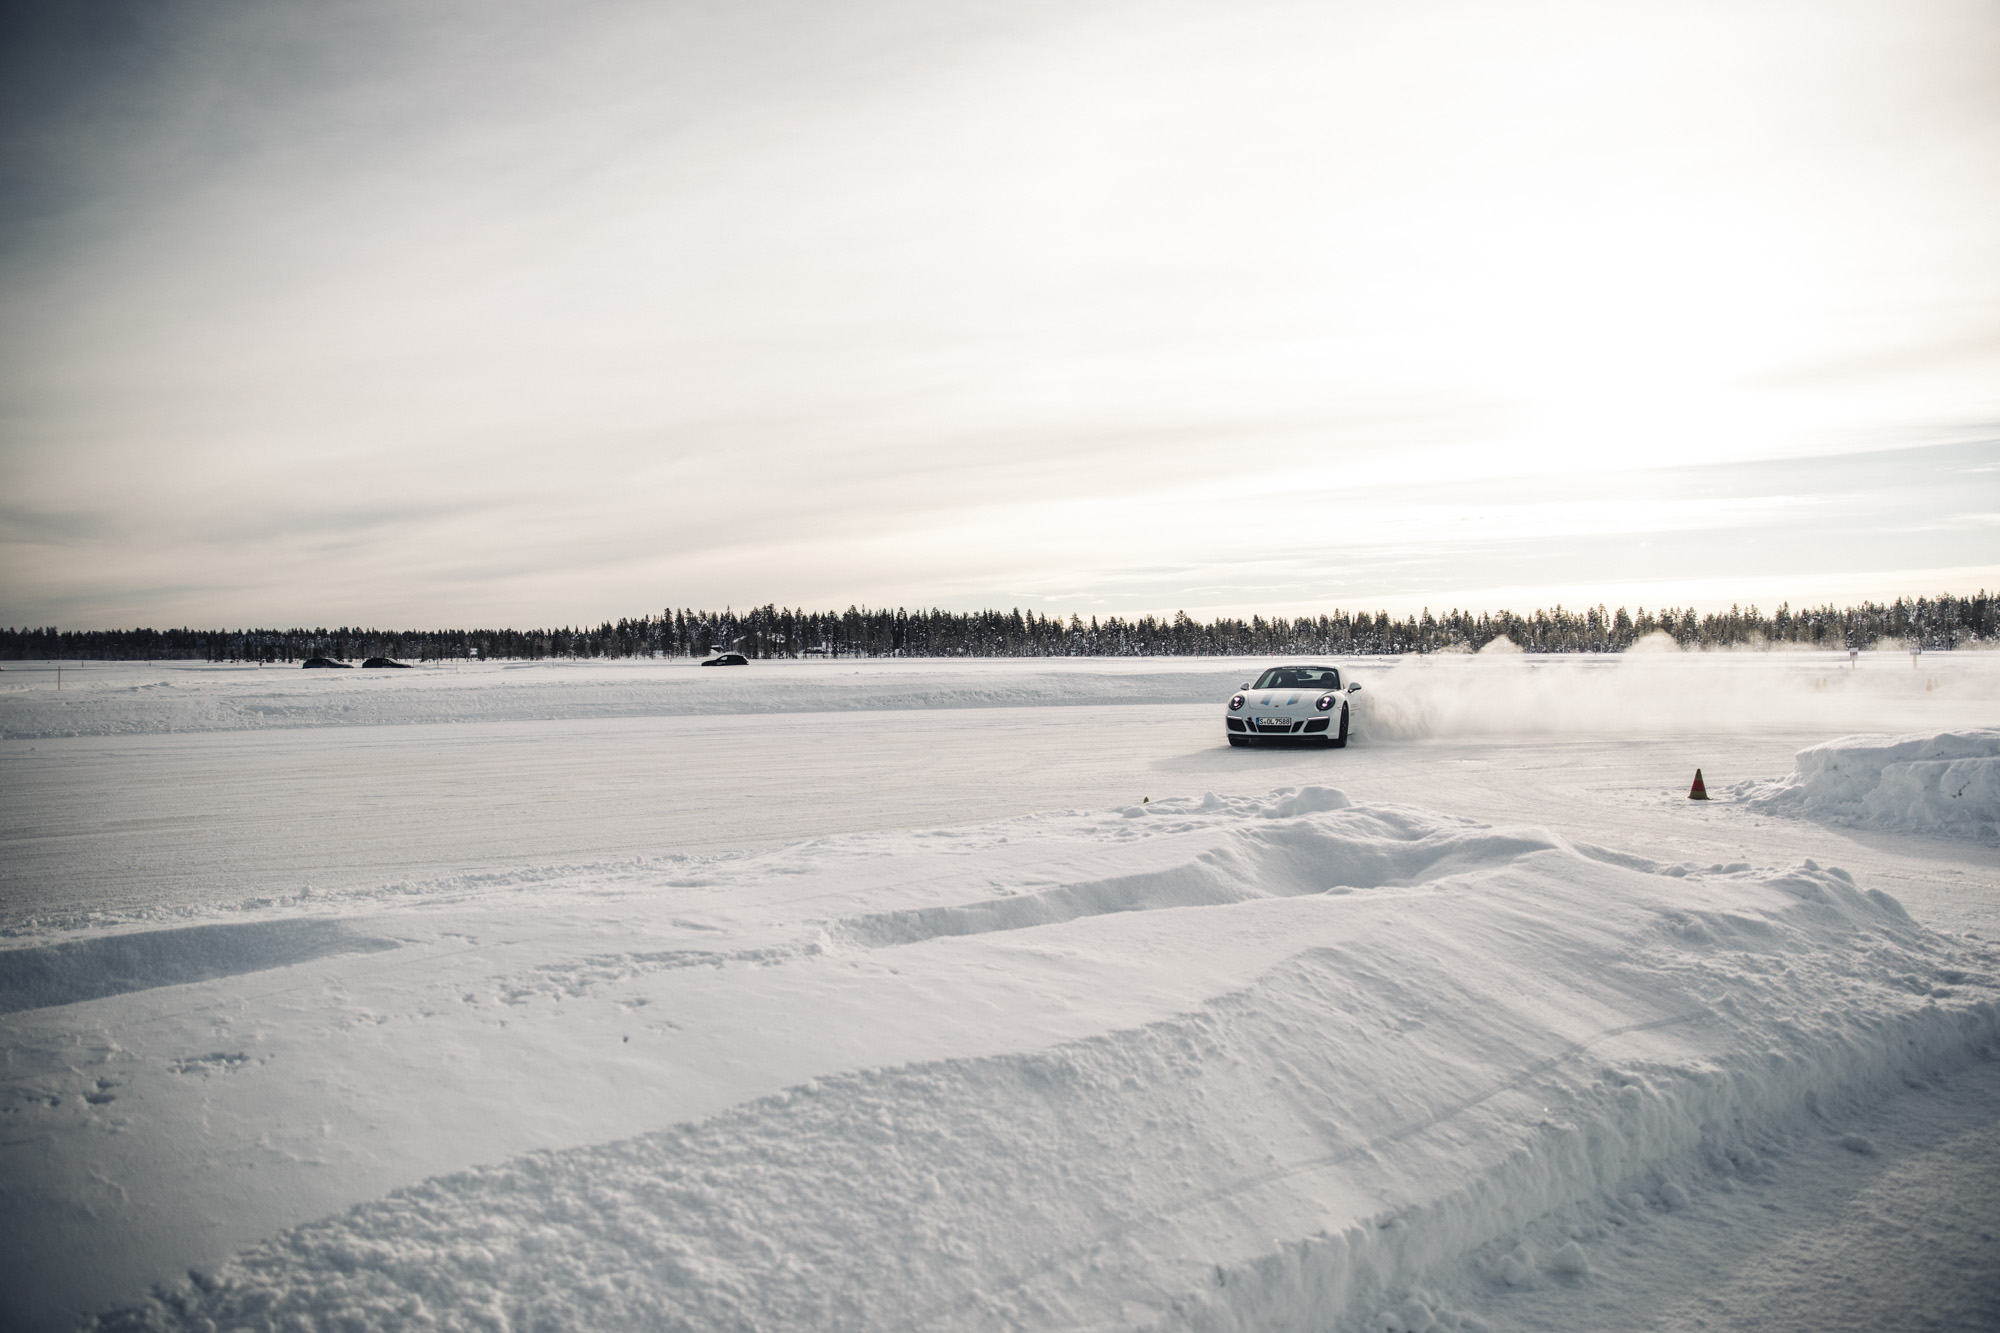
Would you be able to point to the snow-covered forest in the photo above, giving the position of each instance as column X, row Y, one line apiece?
column 1943, row 622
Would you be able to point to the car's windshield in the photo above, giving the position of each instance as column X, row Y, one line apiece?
column 1299, row 678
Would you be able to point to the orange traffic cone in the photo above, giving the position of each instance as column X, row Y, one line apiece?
column 1697, row 792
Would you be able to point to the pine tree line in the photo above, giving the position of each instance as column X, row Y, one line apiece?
column 1944, row 622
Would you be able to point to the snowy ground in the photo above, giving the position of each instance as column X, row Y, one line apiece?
column 879, row 995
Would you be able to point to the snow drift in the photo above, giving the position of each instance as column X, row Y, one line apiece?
column 1220, row 1064
column 1945, row 783
column 89, row 969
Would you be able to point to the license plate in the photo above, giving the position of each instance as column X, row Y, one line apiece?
column 1284, row 722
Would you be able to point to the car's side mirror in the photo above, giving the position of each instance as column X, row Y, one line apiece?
column 1353, row 687
column 1244, row 686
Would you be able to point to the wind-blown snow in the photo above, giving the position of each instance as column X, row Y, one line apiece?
column 1945, row 783
column 1291, row 1060
column 1672, row 692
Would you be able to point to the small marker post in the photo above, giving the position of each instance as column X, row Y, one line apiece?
column 1697, row 792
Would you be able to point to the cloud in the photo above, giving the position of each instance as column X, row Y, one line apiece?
column 527, row 311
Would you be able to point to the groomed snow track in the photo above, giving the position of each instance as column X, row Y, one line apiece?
column 1457, row 1031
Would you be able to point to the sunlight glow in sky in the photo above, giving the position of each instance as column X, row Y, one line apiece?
column 525, row 313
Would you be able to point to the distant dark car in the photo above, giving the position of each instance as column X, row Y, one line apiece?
column 378, row 662
column 326, row 662
column 727, row 659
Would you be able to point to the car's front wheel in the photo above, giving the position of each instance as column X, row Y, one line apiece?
column 1339, row 742
column 1239, row 742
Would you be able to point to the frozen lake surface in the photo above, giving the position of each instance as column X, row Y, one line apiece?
column 999, row 994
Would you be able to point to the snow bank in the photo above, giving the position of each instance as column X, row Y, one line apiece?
column 1220, row 1065
column 1946, row 783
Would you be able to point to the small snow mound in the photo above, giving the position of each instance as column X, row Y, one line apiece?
column 1945, row 783
column 1306, row 801
column 1570, row 1261
column 1888, row 903
column 1417, row 1316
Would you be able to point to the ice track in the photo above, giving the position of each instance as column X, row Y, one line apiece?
column 1291, row 1062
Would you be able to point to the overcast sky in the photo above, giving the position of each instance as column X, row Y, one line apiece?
column 480, row 313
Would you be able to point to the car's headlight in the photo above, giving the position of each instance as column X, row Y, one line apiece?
column 1325, row 703
column 1236, row 703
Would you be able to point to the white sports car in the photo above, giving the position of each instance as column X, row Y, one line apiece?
column 1292, row 705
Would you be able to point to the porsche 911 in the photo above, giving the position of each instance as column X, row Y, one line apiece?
column 1293, row 705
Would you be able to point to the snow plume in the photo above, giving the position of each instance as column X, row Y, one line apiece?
column 1658, row 689
column 1432, row 1033
column 1945, row 783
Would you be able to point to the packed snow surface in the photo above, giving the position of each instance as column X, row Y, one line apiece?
column 1948, row 783
column 1431, row 1032
column 1446, row 695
